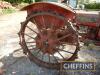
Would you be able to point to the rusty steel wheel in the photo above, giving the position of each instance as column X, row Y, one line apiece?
column 48, row 39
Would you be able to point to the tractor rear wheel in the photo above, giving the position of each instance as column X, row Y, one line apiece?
column 47, row 38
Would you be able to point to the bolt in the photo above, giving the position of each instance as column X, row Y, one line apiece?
column 46, row 43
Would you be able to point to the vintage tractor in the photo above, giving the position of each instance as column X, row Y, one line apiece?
column 49, row 34
column 88, row 25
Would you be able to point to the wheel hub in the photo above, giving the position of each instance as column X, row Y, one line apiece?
column 47, row 41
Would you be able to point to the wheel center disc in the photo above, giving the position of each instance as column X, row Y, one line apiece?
column 47, row 41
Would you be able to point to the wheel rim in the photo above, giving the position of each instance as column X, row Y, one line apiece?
column 47, row 46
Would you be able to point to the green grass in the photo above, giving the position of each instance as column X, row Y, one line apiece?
column 8, row 11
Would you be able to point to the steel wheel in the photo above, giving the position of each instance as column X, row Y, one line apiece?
column 48, row 38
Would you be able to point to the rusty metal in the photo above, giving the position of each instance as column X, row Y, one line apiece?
column 47, row 33
column 90, row 22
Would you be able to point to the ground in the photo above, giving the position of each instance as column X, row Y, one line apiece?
column 14, row 62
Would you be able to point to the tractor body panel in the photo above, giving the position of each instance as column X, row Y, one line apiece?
column 63, row 10
column 86, row 18
column 90, row 21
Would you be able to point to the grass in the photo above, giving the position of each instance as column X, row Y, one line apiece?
column 8, row 11
column 12, row 10
column 92, row 9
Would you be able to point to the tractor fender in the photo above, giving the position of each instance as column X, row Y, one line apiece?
column 62, row 9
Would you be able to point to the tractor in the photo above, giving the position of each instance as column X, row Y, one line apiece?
column 50, row 33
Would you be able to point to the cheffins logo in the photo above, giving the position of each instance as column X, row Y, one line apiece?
column 89, row 66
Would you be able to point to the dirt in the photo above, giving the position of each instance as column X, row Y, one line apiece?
column 16, row 63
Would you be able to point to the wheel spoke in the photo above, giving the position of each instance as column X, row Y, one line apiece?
column 31, row 42
column 35, row 23
column 60, row 54
column 55, row 58
column 37, row 27
column 32, row 29
column 33, row 49
column 43, row 22
column 65, row 51
column 38, row 52
column 64, row 36
column 31, row 45
column 29, row 36
column 49, row 58
column 52, row 26
column 42, row 56
column 62, row 42
column 67, row 43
